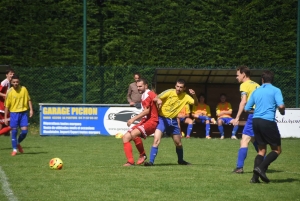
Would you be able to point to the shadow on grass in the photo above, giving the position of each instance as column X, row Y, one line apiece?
column 288, row 180
column 268, row 171
column 41, row 152
column 22, row 147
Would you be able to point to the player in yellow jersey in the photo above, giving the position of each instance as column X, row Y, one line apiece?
column 201, row 114
column 184, row 117
column 224, row 111
column 171, row 101
column 17, row 102
column 246, row 88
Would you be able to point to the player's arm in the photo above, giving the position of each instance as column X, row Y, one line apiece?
column 249, row 105
column 192, row 92
column 241, row 108
column 142, row 114
column 30, row 108
column 279, row 102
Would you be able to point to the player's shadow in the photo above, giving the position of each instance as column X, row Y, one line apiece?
column 22, row 147
column 287, row 180
column 268, row 171
column 37, row 152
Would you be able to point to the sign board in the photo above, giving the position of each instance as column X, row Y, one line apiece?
column 84, row 119
column 289, row 124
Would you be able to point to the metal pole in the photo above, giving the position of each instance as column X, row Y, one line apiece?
column 297, row 60
column 84, row 53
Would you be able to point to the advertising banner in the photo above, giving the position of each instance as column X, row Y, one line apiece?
column 84, row 119
column 289, row 124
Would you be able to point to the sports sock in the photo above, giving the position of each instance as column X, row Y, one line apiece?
column 189, row 129
column 255, row 145
column 22, row 136
column 179, row 151
column 14, row 142
column 235, row 128
column 272, row 156
column 242, row 155
column 221, row 129
column 153, row 154
column 5, row 130
column 207, row 129
column 128, row 152
column 257, row 161
column 139, row 145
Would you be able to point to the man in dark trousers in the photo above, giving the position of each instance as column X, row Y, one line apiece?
column 266, row 99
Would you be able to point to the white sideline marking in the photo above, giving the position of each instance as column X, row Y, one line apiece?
column 5, row 187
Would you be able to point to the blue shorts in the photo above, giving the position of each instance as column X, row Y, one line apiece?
column 226, row 120
column 201, row 121
column 248, row 129
column 18, row 119
column 171, row 125
column 182, row 119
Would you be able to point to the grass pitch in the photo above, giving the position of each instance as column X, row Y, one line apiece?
column 93, row 171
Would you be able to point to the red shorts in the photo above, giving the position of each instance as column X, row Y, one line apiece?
column 145, row 127
column 2, row 117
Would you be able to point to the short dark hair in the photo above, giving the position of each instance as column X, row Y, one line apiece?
column 9, row 70
column 181, row 81
column 244, row 69
column 223, row 94
column 201, row 94
column 267, row 76
column 15, row 76
column 142, row 80
column 137, row 74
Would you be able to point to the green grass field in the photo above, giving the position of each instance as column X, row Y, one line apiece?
column 93, row 171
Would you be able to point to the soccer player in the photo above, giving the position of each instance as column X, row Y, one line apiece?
column 266, row 99
column 202, row 114
column 4, row 86
column 184, row 117
column 171, row 102
column 145, row 127
column 224, row 111
column 17, row 102
column 246, row 88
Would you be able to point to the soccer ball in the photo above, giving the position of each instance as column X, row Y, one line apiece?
column 56, row 164
column 119, row 135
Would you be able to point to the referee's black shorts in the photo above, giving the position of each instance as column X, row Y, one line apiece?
column 266, row 132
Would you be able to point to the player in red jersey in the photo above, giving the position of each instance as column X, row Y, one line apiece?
column 4, row 86
column 147, row 125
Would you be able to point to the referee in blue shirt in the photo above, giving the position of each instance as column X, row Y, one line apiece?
column 266, row 99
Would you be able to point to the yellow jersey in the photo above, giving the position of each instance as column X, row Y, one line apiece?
column 246, row 88
column 202, row 109
column 185, row 110
column 172, row 103
column 17, row 100
column 223, row 107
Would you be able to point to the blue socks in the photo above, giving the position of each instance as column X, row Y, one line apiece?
column 153, row 154
column 221, row 129
column 189, row 129
column 235, row 128
column 179, row 151
column 22, row 136
column 242, row 155
column 14, row 142
column 207, row 129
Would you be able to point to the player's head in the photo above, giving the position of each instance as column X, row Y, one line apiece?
column 15, row 81
column 180, row 86
column 201, row 98
column 142, row 85
column 9, row 73
column 242, row 73
column 136, row 76
column 223, row 97
column 267, row 77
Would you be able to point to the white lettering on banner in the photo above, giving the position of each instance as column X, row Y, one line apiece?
column 289, row 124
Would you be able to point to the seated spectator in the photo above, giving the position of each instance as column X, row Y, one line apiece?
column 184, row 117
column 201, row 114
column 224, row 111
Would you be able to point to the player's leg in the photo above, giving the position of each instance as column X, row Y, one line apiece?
column 14, row 122
column 24, row 129
column 234, row 130
column 242, row 154
column 129, row 135
column 189, row 128
column 207, row 129
column 221, row 128
column 3, row 128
